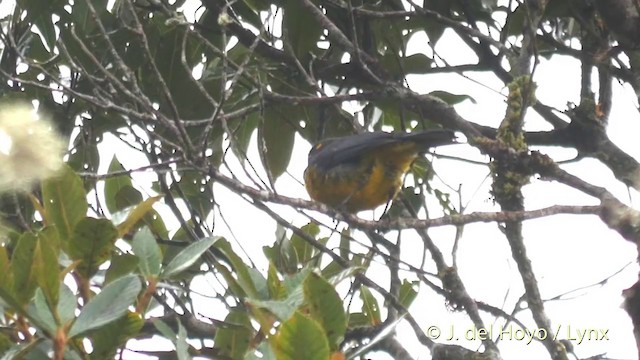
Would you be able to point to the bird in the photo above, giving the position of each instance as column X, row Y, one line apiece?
column 361, row 172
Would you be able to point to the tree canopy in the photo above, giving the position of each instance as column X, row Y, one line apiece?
column 178, row 113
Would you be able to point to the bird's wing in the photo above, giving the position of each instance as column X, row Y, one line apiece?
column 348, row 149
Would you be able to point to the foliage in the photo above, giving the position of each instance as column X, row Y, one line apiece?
column 105, row 251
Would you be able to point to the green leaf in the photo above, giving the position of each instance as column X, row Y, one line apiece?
column 305, row 251
column 412, row 64
column 558, row 9
column 35, row 350
column 249, row 14
column 47, row 31
column 40, row 314
column 434, row 31
column 67, row 305
column 344, row 273
column 169, row 52
column 408, row 292
column 35, row 48
column 515, row 21
column 295, row 281
column 22, row 261
column 196, row 190
column 409, row 197
column 5, row 343
column 281, row 253
column 119, row 192
column 325, row 307
column 242, row 135
column 109, row 305
column 65, row 202
column 137, row 214
column 345, row 243
column 233, row 339
column 265, row 353
column 234, row 286
column 12, row 303
column 39, row 13
column 85, row 158
column 282, row 309
column 300, row 29
column 47, row 269
column 422, row 170
column 301, row 337
column 182, row 348
column 445, row 202
column 187, row 257
column 416, row 64
column 5, row 269
column 275, row 286
column 50, row 236
column 293, row 288
column 106, row 339
column 370, row 306
column 164, row 329
column 121, row 264
column 147, row 250
column 358, row 320
column 331, row 270
column 156, row 224
column 450, row 98
column 393, row 114
column 257, row 5
column 178, row 340
column 43, row 312
column 258, row 282
column 384, row 37
column 275, row 137
column 91, row 243
column 83, row 19
column 244, row 278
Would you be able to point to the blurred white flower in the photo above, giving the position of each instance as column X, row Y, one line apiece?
column 30, row 150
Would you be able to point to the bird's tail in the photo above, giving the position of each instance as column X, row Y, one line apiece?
column 431, row 138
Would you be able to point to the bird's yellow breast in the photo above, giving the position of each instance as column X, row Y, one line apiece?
column 363, row 186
